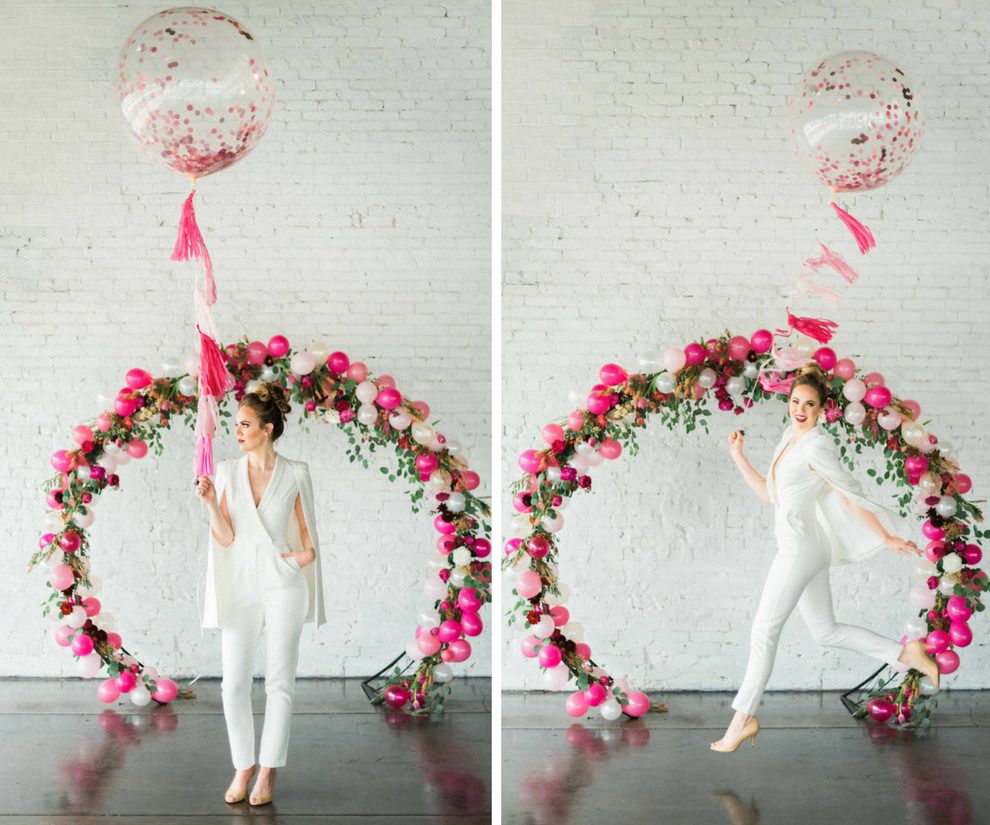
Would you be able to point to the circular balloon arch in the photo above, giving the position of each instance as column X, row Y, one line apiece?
column 328, row 386
column 678, row 386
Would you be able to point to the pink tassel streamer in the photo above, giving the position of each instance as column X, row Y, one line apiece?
column 820, row 329
column 836, row 262
column 189, row 244
column 806, row 283
column 773, row 382
column 214, row 379
column 862, row 234
column 207, row 415
column 203, row 462
column 789, row 359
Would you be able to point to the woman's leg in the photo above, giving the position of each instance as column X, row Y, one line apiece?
column 815, row 605
column 789, row 573
column 238, row 643
column 285, row 609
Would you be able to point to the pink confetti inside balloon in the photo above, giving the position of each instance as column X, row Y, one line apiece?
column 856, row 118
column 195, row 89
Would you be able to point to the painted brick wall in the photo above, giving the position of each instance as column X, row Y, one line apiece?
column 362, row 219
column 651, row 197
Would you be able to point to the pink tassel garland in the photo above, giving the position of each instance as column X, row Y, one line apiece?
column 862, row 234
column 189, row 244
column 214, row 379
column 820, row 329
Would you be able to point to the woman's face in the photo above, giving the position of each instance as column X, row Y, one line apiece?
column 804, row 407
column 250, row 433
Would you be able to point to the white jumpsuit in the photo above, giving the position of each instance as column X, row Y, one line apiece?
column 814, row 530
column 251, row 587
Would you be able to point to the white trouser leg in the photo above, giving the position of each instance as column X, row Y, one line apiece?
column 238, row 642
column 815, row 605
column 788, row 575
column 285, row 609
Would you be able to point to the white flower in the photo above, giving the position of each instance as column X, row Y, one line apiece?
column 462, row 557
column 331, row 417
column 951, row 563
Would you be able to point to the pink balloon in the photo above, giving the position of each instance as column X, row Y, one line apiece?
column 471, row 624
column 575, row 421
column 482, row 547
column 69, row 541
column 880, row 708
column 256, row 353
column 427, row 462
column 739, row 348
column 963, row 483
column 934, row 550
column 937, row 641
column 63, row 635
column 825, row 358
column 449, row 631
column 517, row 502
column 396, row 696
column 972, row 554
column 639, row 703
column 137, row 379
column 610, row 449
column 82, row 645
column 428, row 643
column 124, row 406
column 61, row 460
column 960, row 633
column 878, row 396
column 358, row 371
column 442, row 526
column 388, row 398
column 576, row 704
column 52, row 501
column 694, row 353
column 470, row 479
column 873, row 379
column 92, row 605
column 165, row 690
column 137, row 448
column 595, row 694
column 538, row 547
column 61, row 577
column 422, row 409
column 460, row 650
column 930, row 531
column 45, row 540
column 114, row 640
column 582, row 650
column 278, row 346
column 81, row 434
column 957, row 609
column 948, row 661
column 611, row 375
column 761, row 340
column 125, row 681
column 845, row 368
column 512, row 545
column 561, row 615
column 915, row 465
column 338, row 363
column 469, row 600
column 598, row 404
column 530, row 461
column 385, row 381
column 913, row 407
column 550, row 656
column 529, row 645
column 103, row 422
column 552, row 433
column 108, row 691
column 528, row 584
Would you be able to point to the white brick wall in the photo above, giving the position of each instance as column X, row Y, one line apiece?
column 362, row 219
column 650, row 197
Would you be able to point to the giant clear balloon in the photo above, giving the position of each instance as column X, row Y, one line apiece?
column 195, row 89
column 856, row 117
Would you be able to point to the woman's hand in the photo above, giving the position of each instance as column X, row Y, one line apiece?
column 302, row 557
column 736, row 440
column 205, row 489
column 905, row 548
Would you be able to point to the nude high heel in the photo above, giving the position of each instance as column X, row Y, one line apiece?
column 258, row 800
column 231, row 799
column 749, row 731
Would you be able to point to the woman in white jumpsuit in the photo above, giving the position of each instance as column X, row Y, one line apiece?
column 263, row 571
column 821, row 519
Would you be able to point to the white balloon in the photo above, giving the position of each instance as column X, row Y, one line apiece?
column 543, row 628
column 428, row 619
column 140, row 695
column 440, row 479
column 457, row 578
column 580, row 463
column 187, row 386
column 946, row 586
column 422, row 433
column 594, row 459
column 673, row 359
column 111, row 448
column 434, row 588
column 77, row 618
column 913, row 433
column 927, row 686
column 320, row 350
column 553, row 473
column 151, row 673
column 621, row 685
column 413, row 651
column 251, row 386
column 104, row 402
column 556, row 678
column 573, row 631
column 367, row 414
column 926, row 445
column 122, row 458
column 855, row 413
column 649, row 361
column 707, row 378
column 96, row 585
column 854, row 390
column 521, row 526
column 105, row 621
column 443, row 673
column 610, row 710
column 576, row 397
column 400, row 419
column 53, row 523
column 751, row 371
column 436, row 444
column 665, row 382
column 889, row 419
column 268, row 374
column 190, row 364
column 456, row 502
column 915, row 628
column 921, row 597
column 561, row 598
column 736, row 385
column 83, row 520
column 946, row 507
column 462, row 557
column 924, row 568
column 302, row 363
column 552, row 525
column 366, row 392
column 171, row 366
column 88, row 666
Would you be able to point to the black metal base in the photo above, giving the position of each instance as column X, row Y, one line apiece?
column 850, row 704
column 368, row 685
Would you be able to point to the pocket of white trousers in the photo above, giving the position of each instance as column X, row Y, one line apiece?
column 293, row 563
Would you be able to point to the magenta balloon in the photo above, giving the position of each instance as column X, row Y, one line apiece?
column 561, row 615
column 69, row 541
column 442, row 526
column 427, row 462
column 761, row 341
column 125, row 681
column 460, row 650
column 45, row 540
column 878, row 396
column 639, row 703
column 338, row 363
column 137, row 448
column 82, row 645
column 530, row 461
column 471, row 624
column 388, row 398
column 195, row 89
column 610, row 449
column 694, row 353
column 576, row 704
column 972, row 554
column 137, row 379
column 934, row 550
column 550, row 655
column 256, row 353
column 482, row 547
column 165, row 690
column 930, row 531
column 92, row 605
column 582, row 650
column 880, row 708
column 529, row 645
column 960, row 633
column 595, row 694
column 963, row 483
column 598, row 404
column 108, row 691
column 948, row 661
column 739, row 348
column 125, row 406
column 449, row 631
column 538, row 547
column 552, row 433
column 825, row 358
column 396, row 696
column 61, row 460
column 937, row 641
column 915, row 465
column 278, row 346
column 611, row 375
column 469, row 601
column 957, row 609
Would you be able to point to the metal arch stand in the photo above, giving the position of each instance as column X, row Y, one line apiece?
column 368, row 685
column 850, row 704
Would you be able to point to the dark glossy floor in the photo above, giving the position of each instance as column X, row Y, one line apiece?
column 70, row 759
column 812, row 764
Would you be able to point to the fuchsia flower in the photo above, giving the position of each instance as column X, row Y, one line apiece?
column 568, row 474
column 584, row 482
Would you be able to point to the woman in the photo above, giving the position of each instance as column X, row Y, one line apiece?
column 821, row 518
column 263, row 571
